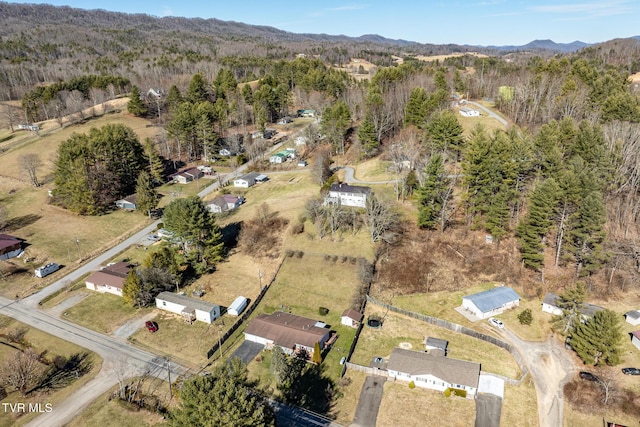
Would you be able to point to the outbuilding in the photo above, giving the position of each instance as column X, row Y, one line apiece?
column 351, row 318
column 492, row 302
column 635, row 338
column 237, row 306
column 632, row 317
column 9, row 246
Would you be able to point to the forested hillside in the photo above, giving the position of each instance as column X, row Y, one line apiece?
column 560, row 186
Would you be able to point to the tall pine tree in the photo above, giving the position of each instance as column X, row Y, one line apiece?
column 599, row 340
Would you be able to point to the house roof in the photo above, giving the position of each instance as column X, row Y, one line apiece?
column 187, row 301
column 102, row 278
column 353, row 314
column 587, row 309
column 453, row 371
column 493, row 298
column 6, row 241
column 219, row 201
column 636, row 334
column 194, row 171
column 633, row 314
column 230, row 198
column 251, row 176
column 437, row 343
column 346, row 188
column 131, row 199
column 286, row 330
column 118, row 269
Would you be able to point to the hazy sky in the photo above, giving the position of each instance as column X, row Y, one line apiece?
column 477, row 22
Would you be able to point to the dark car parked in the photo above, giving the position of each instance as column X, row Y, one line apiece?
column 588, row 376
column 631, row 371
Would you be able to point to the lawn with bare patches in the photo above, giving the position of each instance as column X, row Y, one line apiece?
column 100, row 312
column 518, row 405
column 49, row 346
column 402, row 406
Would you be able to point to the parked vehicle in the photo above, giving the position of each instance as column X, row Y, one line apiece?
column 588, row 376
column 45, row 270
column 631, row 371
column 151, row 326
column 495, row 322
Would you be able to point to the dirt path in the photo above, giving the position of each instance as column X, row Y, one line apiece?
column 550, row 367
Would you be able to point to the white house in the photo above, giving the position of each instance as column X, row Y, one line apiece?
column 348, row 195
column 492, row 302
column 10, row 246
column 109, row 279
column 237, row 306
column 469, row 112
column 550, row 305
column 129, row 203
column 224, row 203
column 294, row 334
column 635, row 338
column 246, row 180
column 435, row 372
column 351, row 318
column 189, row 308
column 632, row 317
column 187, row 175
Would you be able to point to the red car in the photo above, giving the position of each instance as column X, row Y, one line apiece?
column 151, row 326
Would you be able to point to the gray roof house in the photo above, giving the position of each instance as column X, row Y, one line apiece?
column 436, row 344
column 189, row 308
column 492, row 302
column 550, row 305
column 246, row 180
column 348, row 195
column 435, row 372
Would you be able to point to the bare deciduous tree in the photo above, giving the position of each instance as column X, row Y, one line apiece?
column 23, row 371
column 30, row 164
column 381, row 220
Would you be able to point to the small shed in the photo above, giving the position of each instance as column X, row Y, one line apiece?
column 491, row 302
column 351, row 318
column 635, row 339
column 632, row 317
column 237, row 306
column 129, row 203
column 436, row 344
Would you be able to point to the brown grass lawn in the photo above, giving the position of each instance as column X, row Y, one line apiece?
column 373, row 170
column 402, row 406
column 101, row 312
column 402, row 329
column 572, row 417
column 41, row 341
column 49, row 231
column 519, row 407
column 104, row 412
column 350, row 387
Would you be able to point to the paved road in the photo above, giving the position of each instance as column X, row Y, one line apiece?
column 490, row 113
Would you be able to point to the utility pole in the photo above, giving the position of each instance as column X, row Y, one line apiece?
column 169, row 378
column 78, row 246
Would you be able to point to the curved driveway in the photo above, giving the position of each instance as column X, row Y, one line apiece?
column 490, row 113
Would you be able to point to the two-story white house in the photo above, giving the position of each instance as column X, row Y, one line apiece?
column 348, row 195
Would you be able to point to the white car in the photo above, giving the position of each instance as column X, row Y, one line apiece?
column 495, row 322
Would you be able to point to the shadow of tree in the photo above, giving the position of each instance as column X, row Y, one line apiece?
column 64, row 371
column 230, row 234
column 20, row 222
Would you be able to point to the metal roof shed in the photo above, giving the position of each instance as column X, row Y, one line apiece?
column 491, row 302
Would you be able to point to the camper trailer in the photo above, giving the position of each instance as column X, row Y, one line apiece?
column 45, row 270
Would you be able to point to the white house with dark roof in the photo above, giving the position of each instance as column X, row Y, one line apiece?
column 9, row 246
column 246, row 180
column 187, row 175
column 351, row 318
column 492, row 302
column 550, row 305
column 189, row 308
column 632, row 317
column 224, row 203
column 294, row 334
column 128, row 203
column 435, row 372
column 109, row 279
column 348, row 195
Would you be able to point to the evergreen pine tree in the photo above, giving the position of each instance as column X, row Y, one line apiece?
column 198, row 90
column 147, row 196
column 414, row 111
column 367, row 136
column 599, row 340
column 571, row 303
column 444, row 131
column 156, row 166
column 431, row 193
column 135, row 105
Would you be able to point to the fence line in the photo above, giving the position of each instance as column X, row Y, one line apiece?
column 462, row 330
column 366, row 369
column 245, row 315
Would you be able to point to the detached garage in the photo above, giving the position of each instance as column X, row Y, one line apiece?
column 492, row 302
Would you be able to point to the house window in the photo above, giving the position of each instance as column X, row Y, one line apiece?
column 164, row 303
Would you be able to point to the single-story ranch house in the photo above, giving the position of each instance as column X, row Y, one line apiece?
column 187, row 175
column 109, row 279
column 10, row 246
column 436, row 372
column 294, row 334
column 189, row 308
column 129, row 203
column 348, row 195
column 550, row 305
column 492, row 302
column 224, row 203
column 469, row 112
column 635, row 339
column 249, row 180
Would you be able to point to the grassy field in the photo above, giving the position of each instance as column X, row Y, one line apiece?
column 52, row 233
column 402, row 406
column 350, row 387
column 519, row 405
column 100, row 312
column 50, row 345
